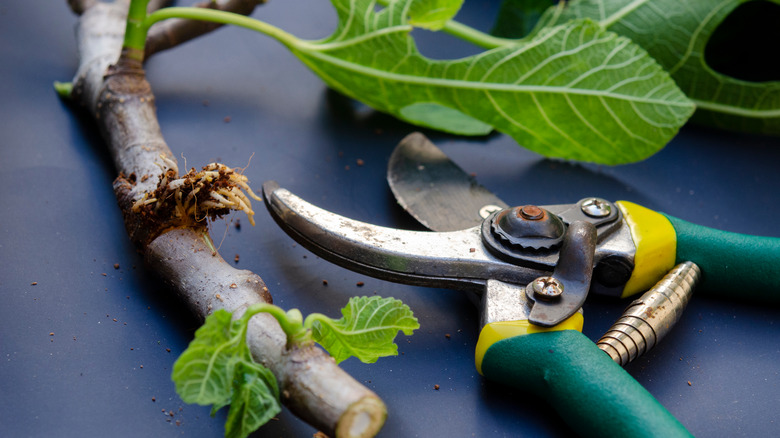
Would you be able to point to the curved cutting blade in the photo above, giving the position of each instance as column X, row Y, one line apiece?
column 434, row 190
column 457, row 259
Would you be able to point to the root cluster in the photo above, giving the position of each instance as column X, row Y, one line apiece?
column 198, row 195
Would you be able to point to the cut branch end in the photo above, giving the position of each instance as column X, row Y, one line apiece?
column 362, row 419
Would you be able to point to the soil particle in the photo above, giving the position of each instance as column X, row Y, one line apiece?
column 324, row 282
column 360, row 162
column 360, row 284
column 34, row 283
column 436, row 387
column 116, row 265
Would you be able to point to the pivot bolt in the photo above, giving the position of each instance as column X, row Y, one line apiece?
column 531, row 212
column 547, row 288
column 595, row 207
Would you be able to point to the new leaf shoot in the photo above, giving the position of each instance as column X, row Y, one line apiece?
column 366, row 330
column 218, row 369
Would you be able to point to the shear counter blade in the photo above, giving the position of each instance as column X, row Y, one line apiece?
column 455, row 260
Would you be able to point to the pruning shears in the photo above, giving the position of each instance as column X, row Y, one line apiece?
column 532, row 267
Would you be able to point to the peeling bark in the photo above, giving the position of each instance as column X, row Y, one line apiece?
column 114, row 90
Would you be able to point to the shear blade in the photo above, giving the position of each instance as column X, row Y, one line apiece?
column 435, row 190
column 455, row 260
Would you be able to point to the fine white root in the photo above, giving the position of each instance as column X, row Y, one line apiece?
column 209, row 193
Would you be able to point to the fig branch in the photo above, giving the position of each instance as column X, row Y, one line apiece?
column 166, row 214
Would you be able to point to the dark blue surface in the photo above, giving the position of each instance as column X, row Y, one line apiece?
column 105, row 370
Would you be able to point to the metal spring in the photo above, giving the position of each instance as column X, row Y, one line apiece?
column 647, row 320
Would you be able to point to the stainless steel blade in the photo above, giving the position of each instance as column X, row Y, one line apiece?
column 456, row 260
column 435, row 190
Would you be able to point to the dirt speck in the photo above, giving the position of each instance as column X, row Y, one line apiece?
column 436, row 387
column 360, row 284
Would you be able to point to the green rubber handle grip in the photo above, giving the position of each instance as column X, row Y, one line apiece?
column 592, row 393
column 732, row 264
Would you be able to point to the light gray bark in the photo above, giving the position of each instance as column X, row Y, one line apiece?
column 113, row 89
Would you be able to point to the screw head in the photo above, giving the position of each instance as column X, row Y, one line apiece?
column 595, row 207
column 487, row 210
column 547, row 288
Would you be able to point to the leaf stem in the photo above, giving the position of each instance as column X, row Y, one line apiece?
column 63, row 89
column 475, row 36
column 290, row 322
column 136, row 29
column 222, row 17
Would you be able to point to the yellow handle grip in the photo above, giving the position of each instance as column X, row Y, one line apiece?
column 498, row 331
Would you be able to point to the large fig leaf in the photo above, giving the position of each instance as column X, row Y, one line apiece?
column 676, row 34
column 574, row 91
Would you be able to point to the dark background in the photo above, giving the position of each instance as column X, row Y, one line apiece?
column 85, row 352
